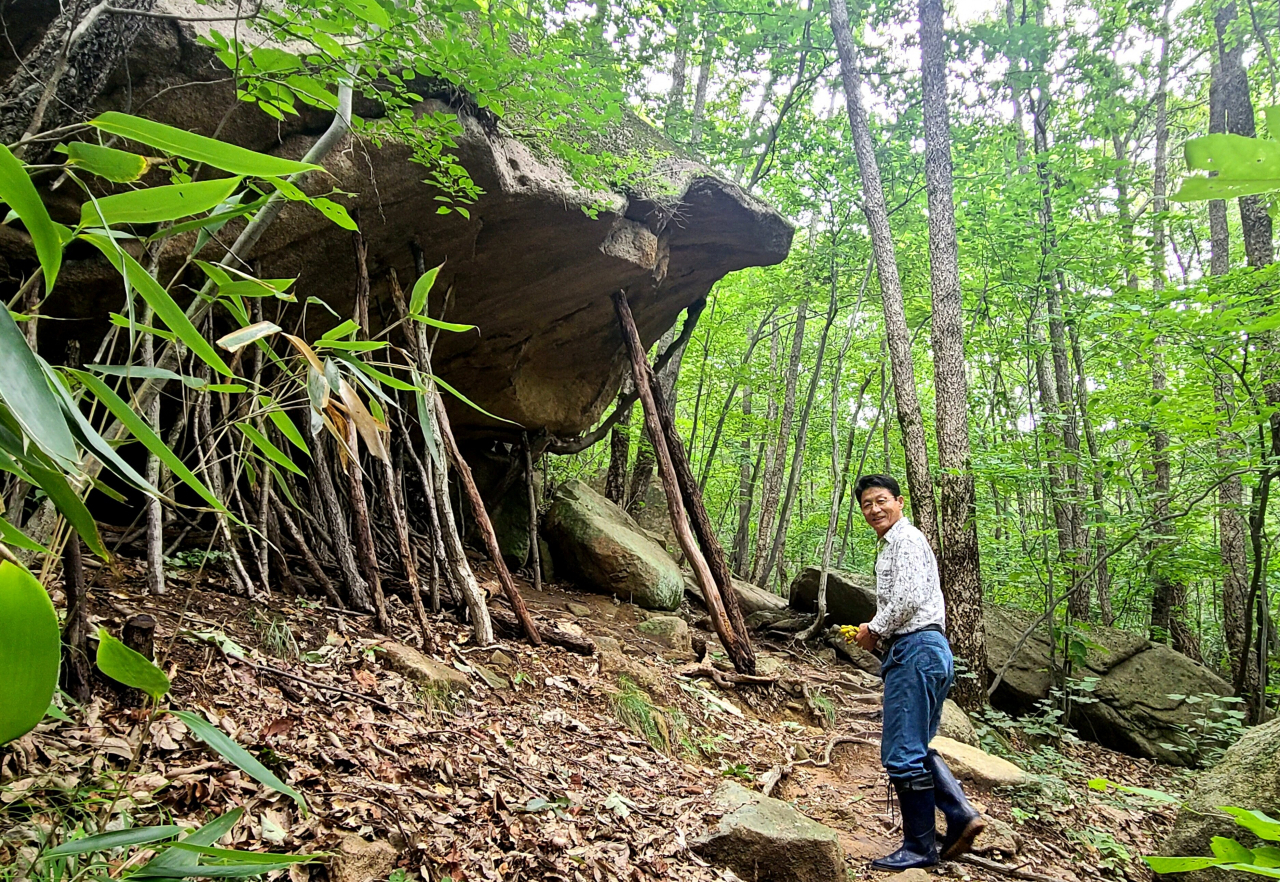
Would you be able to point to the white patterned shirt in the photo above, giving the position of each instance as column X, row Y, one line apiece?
column 908, row 593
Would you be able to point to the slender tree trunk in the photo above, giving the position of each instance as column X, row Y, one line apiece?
column 746, row 490
column 615, row 482
column 358, row 595
column 755, row 337
column 679, row 70
column 77, row 670
column 961, row 574
column 919, row 481
column 704, row 78
column 366, row 553
column 1102, row 575
column 642, row 472
column 772, row 486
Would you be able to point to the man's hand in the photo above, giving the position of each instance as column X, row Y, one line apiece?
column 866, row 638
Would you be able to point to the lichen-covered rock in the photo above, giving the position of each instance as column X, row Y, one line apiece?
column 1247, row 777
column 851, row 598
column 971, row 764
column 604, row 550
column 355, row 860
column 671, row 632
column 410, row 663
column 767, row 840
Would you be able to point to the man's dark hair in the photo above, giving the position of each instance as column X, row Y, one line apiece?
column 866, row 482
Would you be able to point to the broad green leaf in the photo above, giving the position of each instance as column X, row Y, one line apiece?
column 116, row 166
column 170, row 860
column 427, row 422
column 1269, row 872
column 153, row 205
column 209, row 871
column 57, row 713
column 218, row 154
column 1195, row 189
column 144, row 433
column 1267, row 856
column 340, row 331
column 211, row 223
column 158, row 298
column 15, row 538
column 353, row 345
column 114, row 839
column 1162, row 865
column 237, row 856
column 421, row 290
column 30, row 650
column 143, row 372
column 1272, row 115
column 370, row 11
column 1230, row 850
column 121, row 663
column 273, row 453
column 237, row 755
column 19, row 193
column 227, row 388
column 444, row 326
column 378, row 375
column 237, row 340
column 334, row 212
column 1261, row 825
column 26, row 390
column 310, row 88
column 68, row 502
column 1234, row 156
column 289, row 430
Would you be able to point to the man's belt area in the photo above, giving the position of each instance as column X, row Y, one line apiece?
column 888, row 644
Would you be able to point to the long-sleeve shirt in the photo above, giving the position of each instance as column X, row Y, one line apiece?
column 908, row 593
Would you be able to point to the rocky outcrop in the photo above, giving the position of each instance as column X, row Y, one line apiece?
column 413, row 665
column 670, row 632
column 851, row 598
column 765, row 839
column 1248, row 777
column 532, row 265
column 751, row 598
column 601, row 547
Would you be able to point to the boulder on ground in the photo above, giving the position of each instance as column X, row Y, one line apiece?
column 603, row 549
column 971, row 764
column 671, row 632
column 1248, row 777
column 851, row 598
column 752, row 599
column 956, row 725
column 853, row 653
column 997, row 836
column 409, row 663
column 767, row 840
column 355, row 860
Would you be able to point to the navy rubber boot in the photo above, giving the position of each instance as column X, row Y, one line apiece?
column 964, row 822
column 919, row 837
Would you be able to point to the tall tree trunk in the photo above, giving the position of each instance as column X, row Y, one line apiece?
column 1169, row 593
column 679, row 68
column 919, row 481
column 772, row 487
column 704, row 77
column 746, row 489
column 1102, row 574
column 1233, row 531
column 615, row 482
column 961, row 574
column 642, row 471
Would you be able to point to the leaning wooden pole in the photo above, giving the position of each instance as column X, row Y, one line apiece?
column 739, row 649
column 481, row 514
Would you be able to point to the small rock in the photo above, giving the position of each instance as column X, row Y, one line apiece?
column 495, row 681
column 998, row 836
column 501, row 659
column 669, row 631
column 802, row 752
column 412, row 664
column 358, row 861
column 767, row 840
column 913, row 875
column 623, row 665
column 971, row 764
column 956, row 726
column 581, row 610
column 606, row 644
column 770, row 665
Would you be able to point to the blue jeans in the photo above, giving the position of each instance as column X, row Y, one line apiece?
column 918, row 672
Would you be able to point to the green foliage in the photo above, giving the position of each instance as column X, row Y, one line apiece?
column 635, row 709
column 122, row 664
column 1229, row 854
column 30, row 652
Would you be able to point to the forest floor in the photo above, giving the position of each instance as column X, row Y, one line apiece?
column 532, row 774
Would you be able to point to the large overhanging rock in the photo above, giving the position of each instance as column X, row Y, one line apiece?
column 530, row 267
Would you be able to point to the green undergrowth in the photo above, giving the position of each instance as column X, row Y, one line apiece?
column 664, row 728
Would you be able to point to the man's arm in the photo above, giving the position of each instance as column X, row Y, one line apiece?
column 907, row 594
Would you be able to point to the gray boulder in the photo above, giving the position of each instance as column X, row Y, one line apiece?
column 767, row 840
column 601, row 547
column 851, row 598
column 671, row 632
column 751, row 598
column 1247, row 777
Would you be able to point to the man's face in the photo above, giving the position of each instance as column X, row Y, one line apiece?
column 880, row 508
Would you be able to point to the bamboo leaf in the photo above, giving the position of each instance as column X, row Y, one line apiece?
column 288, row 429
column 421, row 291
column 30, row 650
column 122, row 664
column 19, row 193
column 12, row 536
column 269, row 450
column 144, row 433
column 170, row 860
column 26, row 390
column 116, row 166
column 152, row 205
column 237, row 340
column 237, row 755
column 114, row 839
column 366, row 425
column 158, row 298
column 444, row 326
column 144, row 372
column 68, row 502
column 218, row 154
column 467, row 401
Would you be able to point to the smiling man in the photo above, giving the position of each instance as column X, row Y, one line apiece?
column 908, row 633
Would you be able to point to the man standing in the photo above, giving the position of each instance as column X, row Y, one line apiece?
column 916, row 664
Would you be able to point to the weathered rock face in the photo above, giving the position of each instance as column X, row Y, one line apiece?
column 1133, row 711
column 412, row 664
column 751, row 598
column 955, row 724
column 1248, row 777
column 529, row 268
column 600, row 546
column 851, row 598
column 767, row 840
column 669, row 631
